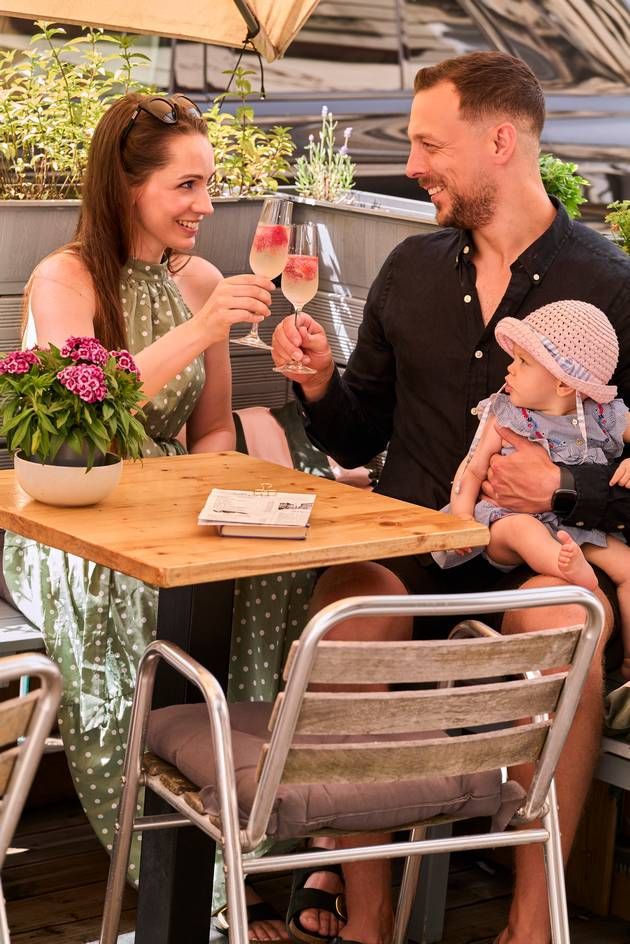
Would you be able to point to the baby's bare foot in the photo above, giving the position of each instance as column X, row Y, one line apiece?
column 572, row 564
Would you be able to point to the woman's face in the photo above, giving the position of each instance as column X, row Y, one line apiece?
column 172, row 202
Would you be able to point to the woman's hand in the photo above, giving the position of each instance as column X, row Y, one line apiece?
column 307, row 343
column 236, row 299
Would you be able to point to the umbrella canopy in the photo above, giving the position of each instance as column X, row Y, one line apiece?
column 222, row 22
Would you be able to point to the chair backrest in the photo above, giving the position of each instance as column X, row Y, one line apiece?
column 404, row 732
column 24, row 725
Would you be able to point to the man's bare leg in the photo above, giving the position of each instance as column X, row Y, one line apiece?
column 528, row 921
column 367, row 884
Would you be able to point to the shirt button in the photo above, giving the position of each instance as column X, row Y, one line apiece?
column 466, row 250
column 474, row 411
column 478, row 354
column 574, row 421
column 579, row 524
column 579, row 442
column 536, row 277
column 467, row 298
column 620, row 527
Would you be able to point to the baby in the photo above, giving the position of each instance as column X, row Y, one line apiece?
column 556, row 395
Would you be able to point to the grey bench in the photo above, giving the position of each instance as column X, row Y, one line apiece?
column 17, row 634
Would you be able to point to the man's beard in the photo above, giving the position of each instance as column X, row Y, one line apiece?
column 470, row 211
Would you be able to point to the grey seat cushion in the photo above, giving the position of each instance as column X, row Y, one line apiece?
column 181, row 735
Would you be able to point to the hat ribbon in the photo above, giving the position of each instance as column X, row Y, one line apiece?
column 568, row 364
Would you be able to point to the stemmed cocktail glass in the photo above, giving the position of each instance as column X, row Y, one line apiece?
column 300, row 279
column 268, row 255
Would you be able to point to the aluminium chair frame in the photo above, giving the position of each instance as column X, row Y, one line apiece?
column 540, row 801
column 29, row 747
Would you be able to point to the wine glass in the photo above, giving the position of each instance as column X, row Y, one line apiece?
column 300, row 279
column 268, row 255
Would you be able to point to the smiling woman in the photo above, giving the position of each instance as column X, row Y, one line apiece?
column 127, row 280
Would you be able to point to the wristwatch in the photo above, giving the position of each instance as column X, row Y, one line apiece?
column 564, row 499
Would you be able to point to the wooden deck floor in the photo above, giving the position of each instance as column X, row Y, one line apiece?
column 54, row 882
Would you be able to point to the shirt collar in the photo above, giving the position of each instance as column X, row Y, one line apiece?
column 537, row 258
column 465, row 247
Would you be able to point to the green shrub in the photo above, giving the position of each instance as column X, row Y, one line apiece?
column 51, row 98
column 561, row 180
column 249, row 160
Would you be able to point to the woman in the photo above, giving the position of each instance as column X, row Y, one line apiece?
column 127, row 279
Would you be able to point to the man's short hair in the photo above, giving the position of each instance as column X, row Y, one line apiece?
column 490, row 83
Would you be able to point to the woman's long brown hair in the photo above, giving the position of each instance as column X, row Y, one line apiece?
column 104, row 235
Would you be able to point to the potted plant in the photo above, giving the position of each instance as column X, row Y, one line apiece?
column 69, row 416
column 561, row 180
column 53, row 94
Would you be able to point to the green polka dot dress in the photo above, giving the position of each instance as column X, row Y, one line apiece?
column 96, row 622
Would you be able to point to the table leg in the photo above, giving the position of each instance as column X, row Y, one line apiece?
column 176, row 865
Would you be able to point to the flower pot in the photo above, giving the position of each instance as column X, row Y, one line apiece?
column 67, row 485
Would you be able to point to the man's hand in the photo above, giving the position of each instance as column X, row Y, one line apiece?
column 307, row 343
column 523, row 481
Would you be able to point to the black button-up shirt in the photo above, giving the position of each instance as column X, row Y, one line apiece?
column 424, row 359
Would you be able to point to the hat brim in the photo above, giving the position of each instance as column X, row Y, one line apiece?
column 511, row 331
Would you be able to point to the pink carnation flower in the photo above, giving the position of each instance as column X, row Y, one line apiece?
column 19, row 362
column 125, row 361
column 85, row 349
column 86, row 380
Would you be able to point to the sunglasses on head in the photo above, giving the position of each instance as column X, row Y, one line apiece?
column 163, row 109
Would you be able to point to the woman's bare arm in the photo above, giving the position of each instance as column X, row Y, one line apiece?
column 63, row 304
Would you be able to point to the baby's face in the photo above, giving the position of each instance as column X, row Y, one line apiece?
column 532, row 386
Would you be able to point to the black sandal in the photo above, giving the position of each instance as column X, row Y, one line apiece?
column 259, row 911
column 304, row 898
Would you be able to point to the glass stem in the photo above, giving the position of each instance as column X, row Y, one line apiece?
column 253, row 331
column 297, row 312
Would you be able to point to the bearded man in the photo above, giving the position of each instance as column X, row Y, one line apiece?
column 425, row 357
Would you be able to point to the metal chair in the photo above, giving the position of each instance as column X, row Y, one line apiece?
column 24, row 725
column 304, row 748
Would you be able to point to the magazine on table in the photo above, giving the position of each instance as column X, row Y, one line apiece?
column 262, row 514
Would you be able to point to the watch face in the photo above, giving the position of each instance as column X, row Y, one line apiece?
column 564, row 500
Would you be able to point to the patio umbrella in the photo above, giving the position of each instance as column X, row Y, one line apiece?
column 271, row 24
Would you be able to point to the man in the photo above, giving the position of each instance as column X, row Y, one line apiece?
column 426, row 356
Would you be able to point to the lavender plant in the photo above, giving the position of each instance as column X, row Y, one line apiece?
column 325, row 172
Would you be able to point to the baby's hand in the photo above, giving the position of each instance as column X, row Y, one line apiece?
column 622, row 474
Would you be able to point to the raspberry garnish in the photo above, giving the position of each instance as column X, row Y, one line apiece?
column 301, row 267
column 271, row 237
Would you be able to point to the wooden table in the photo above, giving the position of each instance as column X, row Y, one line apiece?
column 148, row 529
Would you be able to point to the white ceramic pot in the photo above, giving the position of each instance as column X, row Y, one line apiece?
column 67, row 485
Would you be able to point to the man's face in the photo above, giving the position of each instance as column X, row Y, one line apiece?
column 449, row 158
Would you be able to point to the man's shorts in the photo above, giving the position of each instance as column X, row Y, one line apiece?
column 421, row 575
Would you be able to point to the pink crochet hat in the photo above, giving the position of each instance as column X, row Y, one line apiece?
column 573, row 340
